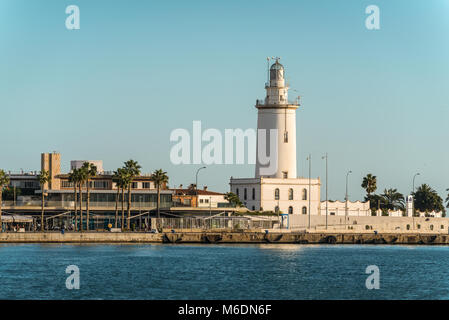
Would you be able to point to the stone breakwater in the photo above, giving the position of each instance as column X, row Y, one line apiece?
column 226, row 237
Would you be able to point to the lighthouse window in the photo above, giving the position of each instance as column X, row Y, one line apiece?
column 276, row 194
column 304, row 194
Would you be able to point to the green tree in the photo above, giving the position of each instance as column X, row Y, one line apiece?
column 393, row 200
column 132, row 171
column 427, row 199
column 4, row 181
column 90, row 172
column 43, row 178
column 160, row 178
column 233, row 199
column 369, row 183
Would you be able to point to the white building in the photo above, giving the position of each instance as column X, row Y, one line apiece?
column 280, row 190
column 76, row 164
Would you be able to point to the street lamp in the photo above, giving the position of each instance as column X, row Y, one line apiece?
column 310, row 174
column 325, row 157
column 416, row 174
column 413, row 199
column 346, row 198
column 196, row 183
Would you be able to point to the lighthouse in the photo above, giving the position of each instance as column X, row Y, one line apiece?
column 277, row 188
column 276, row 115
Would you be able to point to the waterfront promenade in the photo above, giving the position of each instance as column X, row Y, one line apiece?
column 226, row 237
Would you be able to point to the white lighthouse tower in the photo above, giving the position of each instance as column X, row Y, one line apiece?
column 276, row 113
column 277, row 189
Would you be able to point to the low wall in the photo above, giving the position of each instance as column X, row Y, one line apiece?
column 227, row 237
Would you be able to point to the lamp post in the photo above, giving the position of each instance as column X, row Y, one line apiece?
column 413, row 201
column 196, row 184
column 309, row 158
column 325, row 157
column 346, row 197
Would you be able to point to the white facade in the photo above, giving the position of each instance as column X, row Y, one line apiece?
column 341, row 208
column 76, row 164
column 210, row 201
column 286, row 195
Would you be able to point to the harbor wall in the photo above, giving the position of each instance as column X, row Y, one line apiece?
column 226, row 237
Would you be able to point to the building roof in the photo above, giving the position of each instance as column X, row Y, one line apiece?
column 193, row 192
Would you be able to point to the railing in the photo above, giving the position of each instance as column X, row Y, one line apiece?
column 92, row 205
column 224, row 223
column 260, row 102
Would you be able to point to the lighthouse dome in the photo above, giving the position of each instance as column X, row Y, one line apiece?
column 277, row 74
column 277, row 66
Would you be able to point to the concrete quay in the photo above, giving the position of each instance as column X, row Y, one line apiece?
column 226, row 237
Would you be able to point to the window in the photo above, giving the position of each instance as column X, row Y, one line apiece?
column 332, row 213
column 285, row 174
column 237, row 191
column 100, row 184
column 431, row 227
column 254, row 208
column 254, row 194
column 276, row 209
column 286, row 137
column 206, row 200
column 201, row 200
column 442, row 226
column 245, row 194
column 304, row 194
column 290, row 194
column 276, row 194
column 304, row 210
column 134, row 185
column 408, row 227
column 145, row 185
column 290, row 210
column 64, row 184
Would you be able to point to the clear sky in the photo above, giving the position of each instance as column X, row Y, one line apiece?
column 376, row 101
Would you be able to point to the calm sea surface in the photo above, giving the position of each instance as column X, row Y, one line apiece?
column 37, row 271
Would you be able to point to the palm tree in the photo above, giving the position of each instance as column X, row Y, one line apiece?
column 132, row 171
column 160, row 178
column 82, row 176
column 447, row 199
column 74, row 178
column 369, row 183
column 392, row 199
column 43, row 177
column 427, row 199
column 90, row 171
column 4, row 181
column 119, row 178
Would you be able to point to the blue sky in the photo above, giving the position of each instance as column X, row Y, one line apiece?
column 376, row 101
